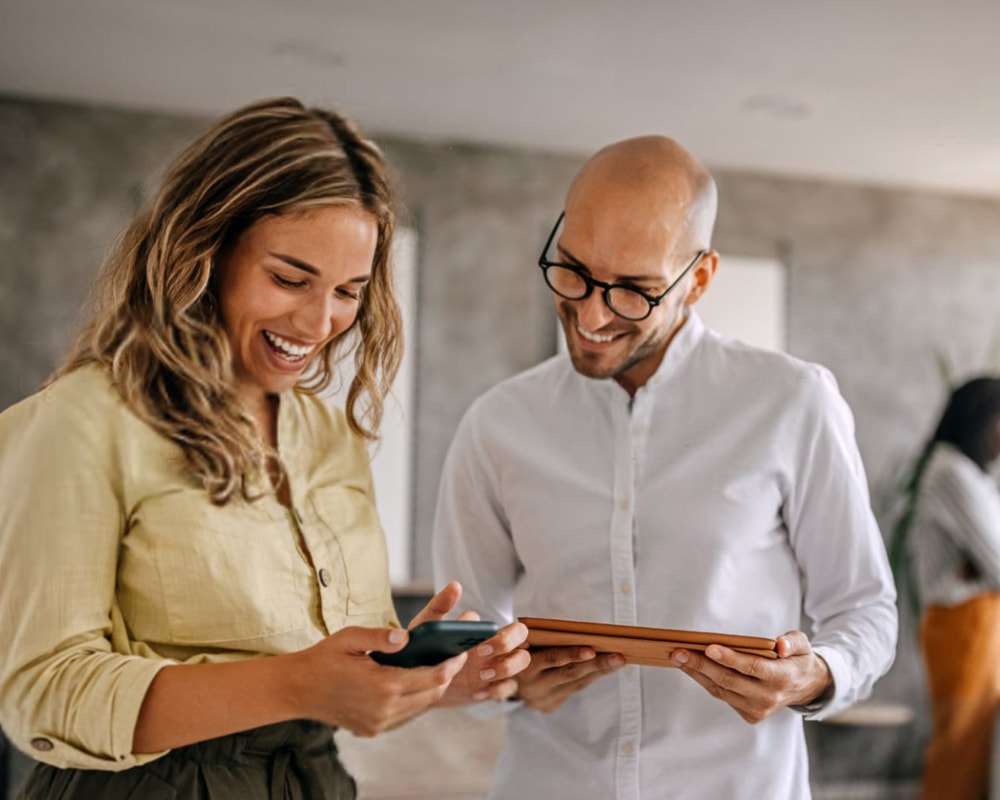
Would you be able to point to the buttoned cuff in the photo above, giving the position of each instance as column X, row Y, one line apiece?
column 822, row 709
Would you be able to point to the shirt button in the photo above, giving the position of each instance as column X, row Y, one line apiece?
column 623, row 505
column 627, row 748
column 42, row 744
column 625, row 587
column 324, row 576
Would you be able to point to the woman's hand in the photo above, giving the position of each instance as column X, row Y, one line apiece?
column 335, row 681
column 489, row 672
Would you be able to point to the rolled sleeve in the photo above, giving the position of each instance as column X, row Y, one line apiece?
column 65, row 697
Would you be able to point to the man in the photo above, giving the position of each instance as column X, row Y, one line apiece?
column 663, row 475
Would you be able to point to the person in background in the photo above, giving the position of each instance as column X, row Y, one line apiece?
column 194, row 572
column 663, row 475
column 955, row 541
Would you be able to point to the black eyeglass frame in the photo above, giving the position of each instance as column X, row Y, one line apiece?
column 590, row 283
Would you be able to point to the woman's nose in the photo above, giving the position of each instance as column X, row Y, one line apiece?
column 320, row 319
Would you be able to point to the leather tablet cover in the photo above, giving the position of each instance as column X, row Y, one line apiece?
column 639, row 645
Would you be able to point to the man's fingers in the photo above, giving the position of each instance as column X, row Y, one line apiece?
column 793, row 643
column 749, row 665
column 724, row 667
column 546, row 658
column 568, row 674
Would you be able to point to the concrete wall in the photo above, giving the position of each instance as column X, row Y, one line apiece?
column 880, row 283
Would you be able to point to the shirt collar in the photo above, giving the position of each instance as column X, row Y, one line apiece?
column 680, row 347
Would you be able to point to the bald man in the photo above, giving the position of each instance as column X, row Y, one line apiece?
column 663, row 475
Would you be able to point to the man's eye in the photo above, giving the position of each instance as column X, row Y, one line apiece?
column 287, row 283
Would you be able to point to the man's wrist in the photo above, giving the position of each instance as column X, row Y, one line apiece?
column 824, row 694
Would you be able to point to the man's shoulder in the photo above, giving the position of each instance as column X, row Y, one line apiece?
column 765, row 370
column 534, row 382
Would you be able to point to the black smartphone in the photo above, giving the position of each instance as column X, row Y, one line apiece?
column 432, row 642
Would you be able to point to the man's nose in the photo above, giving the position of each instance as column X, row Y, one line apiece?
column 592, row 312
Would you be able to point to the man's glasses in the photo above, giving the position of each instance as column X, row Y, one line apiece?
column 570, row 282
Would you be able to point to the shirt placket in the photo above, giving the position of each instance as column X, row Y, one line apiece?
column 625, row 612
column 328, row 567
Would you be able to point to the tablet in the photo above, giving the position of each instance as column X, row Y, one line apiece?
column 639, row 645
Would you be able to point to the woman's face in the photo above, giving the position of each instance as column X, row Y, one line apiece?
column 289, row 286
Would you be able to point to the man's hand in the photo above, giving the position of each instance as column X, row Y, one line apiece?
column 555, row 673
column 754, row 686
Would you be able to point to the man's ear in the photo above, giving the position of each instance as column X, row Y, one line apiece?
column 703, row 273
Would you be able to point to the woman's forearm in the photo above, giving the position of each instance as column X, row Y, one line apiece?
column 188, row 703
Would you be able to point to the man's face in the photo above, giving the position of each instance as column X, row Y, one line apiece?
column 620, row 250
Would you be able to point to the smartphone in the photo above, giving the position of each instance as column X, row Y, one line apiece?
column 433, row 642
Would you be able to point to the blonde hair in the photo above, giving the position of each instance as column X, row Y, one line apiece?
column 156, row 325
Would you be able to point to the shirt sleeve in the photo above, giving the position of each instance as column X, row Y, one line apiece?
column 65, row 697
column 849, row 594
column 969, row 499
column 472, row 541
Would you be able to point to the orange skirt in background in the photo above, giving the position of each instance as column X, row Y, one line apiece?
column 961, row 646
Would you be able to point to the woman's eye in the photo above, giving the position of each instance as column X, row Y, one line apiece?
column 284, row 282
column 355, row 295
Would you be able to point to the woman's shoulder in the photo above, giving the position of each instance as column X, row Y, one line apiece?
column 79, row 412
column 85, row 393
column 949, row 469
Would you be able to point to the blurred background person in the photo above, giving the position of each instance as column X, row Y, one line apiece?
column 955, row 543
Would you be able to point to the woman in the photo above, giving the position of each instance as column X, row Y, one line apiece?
column 956, row 539
column 194, row 572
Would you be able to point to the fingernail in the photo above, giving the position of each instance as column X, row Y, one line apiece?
column 396, row 635
column 616, row 661
column 488, row 674
column 485, row 650
column 681, row 657
column 481, row 696
column 714, row 653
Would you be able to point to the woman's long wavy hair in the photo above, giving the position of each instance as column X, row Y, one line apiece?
column 156, row 325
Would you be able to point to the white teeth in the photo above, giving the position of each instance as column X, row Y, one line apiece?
column 594, row 337
column 292, row 352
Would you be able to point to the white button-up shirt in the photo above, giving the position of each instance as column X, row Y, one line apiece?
column 727, row 495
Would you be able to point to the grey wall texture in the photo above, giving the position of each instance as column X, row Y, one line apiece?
column 882, row 285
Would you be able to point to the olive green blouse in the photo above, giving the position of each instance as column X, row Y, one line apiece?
column 115, row 562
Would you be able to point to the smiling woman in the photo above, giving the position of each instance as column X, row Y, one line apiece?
column 222, row 570
column 288, row 287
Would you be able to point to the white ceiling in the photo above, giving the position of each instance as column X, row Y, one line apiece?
column 900, row 92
